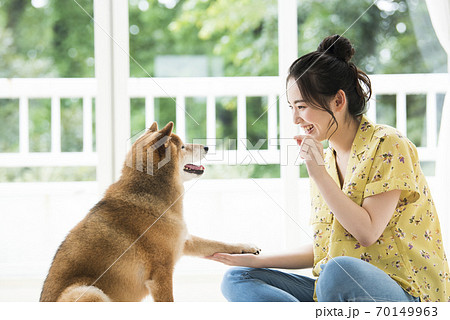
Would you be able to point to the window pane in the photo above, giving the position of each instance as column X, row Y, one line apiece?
column 165, row 111
column 416, row 119
column 196, row 120
column 71, row 125
column 39, row 124
column 390, row 37
column 386, row 110
column 257, row 130
column 226, row 123
column 43, row 38
column 180, row 38
column 9, row 130
column 137, row 117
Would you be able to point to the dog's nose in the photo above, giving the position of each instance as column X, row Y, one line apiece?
column 206, row 149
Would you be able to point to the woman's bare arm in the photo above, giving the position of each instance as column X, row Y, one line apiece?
column 299, row 259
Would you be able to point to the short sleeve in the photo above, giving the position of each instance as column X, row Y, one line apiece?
column 394, row 167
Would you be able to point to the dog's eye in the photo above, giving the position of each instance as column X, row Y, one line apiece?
column 182, row 147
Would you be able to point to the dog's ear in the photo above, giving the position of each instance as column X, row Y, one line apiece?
column 153, row 127
column 167, row 130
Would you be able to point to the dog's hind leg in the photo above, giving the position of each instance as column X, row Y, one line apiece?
column 161, row 285
column 83, row 293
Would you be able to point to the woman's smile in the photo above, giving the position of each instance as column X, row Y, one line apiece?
column 308, row 129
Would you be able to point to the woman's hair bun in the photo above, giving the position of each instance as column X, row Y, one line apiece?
column 338, row 47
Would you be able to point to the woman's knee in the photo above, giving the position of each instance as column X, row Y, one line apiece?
column 340, row 266
column 334, row 277
column 235, row 273
column 232, row 276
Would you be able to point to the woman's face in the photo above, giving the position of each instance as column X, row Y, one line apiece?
column 313, row 121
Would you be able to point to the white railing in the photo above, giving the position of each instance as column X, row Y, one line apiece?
column 55, row 89
column 402, row 85
column 211, row 88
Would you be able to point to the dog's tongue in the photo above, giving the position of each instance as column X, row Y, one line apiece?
column 194, row 167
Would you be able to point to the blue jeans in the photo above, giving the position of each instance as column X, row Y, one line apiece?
column 341, row 279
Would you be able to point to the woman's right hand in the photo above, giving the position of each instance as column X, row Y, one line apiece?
column 239, row 260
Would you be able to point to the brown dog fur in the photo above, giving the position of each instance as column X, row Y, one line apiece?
column 128, row 244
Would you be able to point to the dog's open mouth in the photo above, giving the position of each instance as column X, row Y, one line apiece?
column 192, row 168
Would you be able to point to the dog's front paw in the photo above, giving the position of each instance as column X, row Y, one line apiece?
column 250, row 249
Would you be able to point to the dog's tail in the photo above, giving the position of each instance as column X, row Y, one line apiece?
column 83, row 293
column 77, row 292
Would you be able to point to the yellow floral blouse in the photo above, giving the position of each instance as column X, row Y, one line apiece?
column 410, row 250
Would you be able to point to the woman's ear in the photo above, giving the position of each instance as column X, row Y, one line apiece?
column 339, row 101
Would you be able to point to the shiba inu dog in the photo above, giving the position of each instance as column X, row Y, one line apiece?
column 127, row 245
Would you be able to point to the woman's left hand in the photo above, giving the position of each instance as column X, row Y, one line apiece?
column 311, row 151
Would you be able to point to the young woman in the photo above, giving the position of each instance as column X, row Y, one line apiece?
column 376, row 232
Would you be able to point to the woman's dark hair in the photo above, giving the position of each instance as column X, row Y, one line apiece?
column 322, row 73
